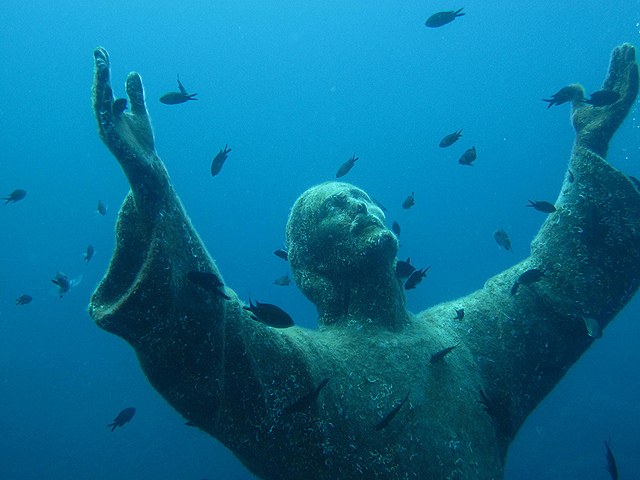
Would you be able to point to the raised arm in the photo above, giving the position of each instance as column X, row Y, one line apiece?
column 198, row 347
column 524, row 339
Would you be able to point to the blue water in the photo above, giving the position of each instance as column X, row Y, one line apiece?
column 295, row 88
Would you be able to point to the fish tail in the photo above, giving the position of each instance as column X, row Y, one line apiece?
column 458, row 14
column 190, row 97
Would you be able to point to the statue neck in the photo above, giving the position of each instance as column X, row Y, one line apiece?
column 371, row 299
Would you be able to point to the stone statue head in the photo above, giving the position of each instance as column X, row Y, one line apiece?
column 336, row 238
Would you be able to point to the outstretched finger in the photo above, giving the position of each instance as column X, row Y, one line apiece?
column 622, row 76
column 102, row 92
column 135, row 92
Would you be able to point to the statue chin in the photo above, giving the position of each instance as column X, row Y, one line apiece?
column 376, row 247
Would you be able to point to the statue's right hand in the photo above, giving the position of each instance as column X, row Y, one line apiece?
column 128, row 134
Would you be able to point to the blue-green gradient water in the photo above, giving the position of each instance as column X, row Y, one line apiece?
column 295, row 88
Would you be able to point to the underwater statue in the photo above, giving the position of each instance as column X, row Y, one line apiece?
column 376, row 392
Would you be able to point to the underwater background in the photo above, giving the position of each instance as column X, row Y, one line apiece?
column 295, row 88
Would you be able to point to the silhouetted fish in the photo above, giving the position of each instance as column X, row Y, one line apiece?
column 63, row 283
column 282, row 281
column 23, row 299
column 209, row 282
column 281, row 253
column 306, row 400
column 15, row 196
column 612, row 468
column 174, row 98
column 218, row 160
column 570, row 176
column 468, row 157
column 502, row 239
column 564, row 95
column 89, row 253
column 594, row 329
column 459, row 314
column 346, row 166
column 404, row 268
column 409, row 202
column 269, row 314
column 102, row 208
column 395, row 228
column 450, row 139
column 389, row 416
column 438, row 356
column 603, row 98
column 532, row 275
column 542, row 206
column 415, row 278
column 123, row 417
column 442, row 18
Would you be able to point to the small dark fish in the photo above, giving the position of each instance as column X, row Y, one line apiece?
column 102, row 208
column 389, row 416
column 269, row 314
column 305, row 401
column 23, row 299
column 450, row 139
column 174, row 98
column 89, row 253
column 119, row 106
column 594, row 329
column 282, row 281
column 123, row 417
column 542, row 206
column 415, row 278
column 502, row 239
column 281, row 253
column 404, row 268
column 635, row 181
column 459, row 314
column 218, row 160
column 564, row 95
column 189, row 423
column 442, row 18
column 570, row 176
column 346, row 166
column 612, row 468
column 468, row 157
column 395, row 228
column 63, row 283
column 532, row 275
column 409, row 202
column 15, row 196
column 209, row 282
column 603, row 98
column 438, row 356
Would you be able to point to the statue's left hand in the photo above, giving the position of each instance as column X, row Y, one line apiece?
column 596, row 125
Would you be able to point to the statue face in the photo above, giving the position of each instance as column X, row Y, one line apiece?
column 343, row 230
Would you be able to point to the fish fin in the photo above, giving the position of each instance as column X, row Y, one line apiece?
column 180, row 86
